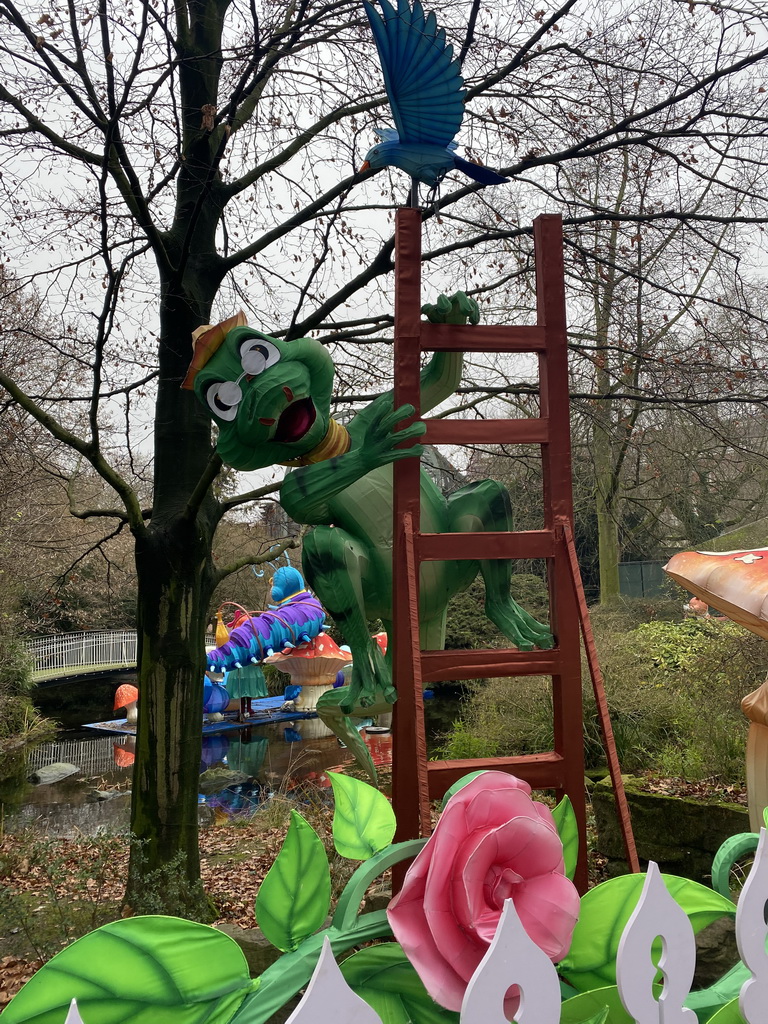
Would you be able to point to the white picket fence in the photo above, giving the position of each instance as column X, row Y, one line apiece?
column 513, row 959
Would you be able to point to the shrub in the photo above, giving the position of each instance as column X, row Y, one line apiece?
column 465, row 744
column 467, row 628
column 626, row 613
column 503, row 717
column 20, row 722
column 15, row 666
column 530, row 591
column 674, row 691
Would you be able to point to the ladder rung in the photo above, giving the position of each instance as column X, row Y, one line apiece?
column 481, row 338
column 540, row 771
column 459, row 664
column 460, row 546
column 518, row 431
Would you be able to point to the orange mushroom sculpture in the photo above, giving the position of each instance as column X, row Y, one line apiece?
column 736, row 583
column 126, row 697
column 124, row 754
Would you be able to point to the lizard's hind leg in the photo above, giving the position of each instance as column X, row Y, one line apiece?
column 484, row 506
column 336, row 564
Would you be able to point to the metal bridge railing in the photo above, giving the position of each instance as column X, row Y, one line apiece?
column 71, row 653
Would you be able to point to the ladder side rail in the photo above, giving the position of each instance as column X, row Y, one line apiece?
column 554, row 402
column 408, row 724
column 604, row 718
column 419, row 780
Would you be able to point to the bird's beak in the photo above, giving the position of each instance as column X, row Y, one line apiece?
column 366, row 166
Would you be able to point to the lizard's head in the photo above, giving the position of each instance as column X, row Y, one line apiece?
column 270, row 398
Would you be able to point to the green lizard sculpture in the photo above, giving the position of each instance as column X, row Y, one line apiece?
column 271, row 402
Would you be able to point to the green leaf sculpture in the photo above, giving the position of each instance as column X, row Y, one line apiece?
column 728, row 1014
column 295, row 896
column 384, row 978
column 143, row 970
column 460, row 784
column 568, row 830
column 605, row 910
column 734, row 849
column 601, row 1017
column 363, row 819
column 589, row 1005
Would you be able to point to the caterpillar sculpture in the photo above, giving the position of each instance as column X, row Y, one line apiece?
column 295, row 618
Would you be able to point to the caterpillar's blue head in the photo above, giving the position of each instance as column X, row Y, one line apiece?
column 285, row 582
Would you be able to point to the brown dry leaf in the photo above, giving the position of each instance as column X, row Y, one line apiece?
column 13, row 974
column 234, row 859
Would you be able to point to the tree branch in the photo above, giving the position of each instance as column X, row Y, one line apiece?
column 275, row 550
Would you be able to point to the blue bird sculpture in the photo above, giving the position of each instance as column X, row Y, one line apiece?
column 425, row 93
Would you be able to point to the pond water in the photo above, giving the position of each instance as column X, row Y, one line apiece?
column 267, row 759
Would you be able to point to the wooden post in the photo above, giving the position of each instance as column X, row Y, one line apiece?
column 409, row 747
column 558, row 513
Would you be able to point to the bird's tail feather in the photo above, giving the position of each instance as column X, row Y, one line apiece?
column 478, row 173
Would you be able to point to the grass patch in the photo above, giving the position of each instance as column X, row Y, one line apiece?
column 21, row 723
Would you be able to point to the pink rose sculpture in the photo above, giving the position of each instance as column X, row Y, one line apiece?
column 492, row 842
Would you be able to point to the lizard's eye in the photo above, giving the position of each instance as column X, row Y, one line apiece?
column 223, row 398
column 256, row 355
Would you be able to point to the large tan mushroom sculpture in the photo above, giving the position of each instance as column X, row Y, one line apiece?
column 313, row 667
column 736, row 583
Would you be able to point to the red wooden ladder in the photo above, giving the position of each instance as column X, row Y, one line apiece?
column 417, row 781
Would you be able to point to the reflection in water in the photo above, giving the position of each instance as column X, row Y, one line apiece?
column 268, row 759
column 124, row 752
column 236, row 801
column 250, row 765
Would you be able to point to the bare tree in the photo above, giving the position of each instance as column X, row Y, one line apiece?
column 164, row 164
column 664, row 238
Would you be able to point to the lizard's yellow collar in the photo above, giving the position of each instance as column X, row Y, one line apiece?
column 336, row 442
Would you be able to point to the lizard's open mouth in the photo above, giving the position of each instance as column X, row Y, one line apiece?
column 295, row 420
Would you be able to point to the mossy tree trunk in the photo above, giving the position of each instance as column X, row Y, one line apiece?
column 175, row 583
column 174, row 588
column 606, row 503
column 174, row 563
column 613, row 421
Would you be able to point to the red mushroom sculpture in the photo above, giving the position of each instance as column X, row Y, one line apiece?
column 126, row 697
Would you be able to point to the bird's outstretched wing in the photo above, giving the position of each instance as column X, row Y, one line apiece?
column 478, row 172
column 420, row 75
